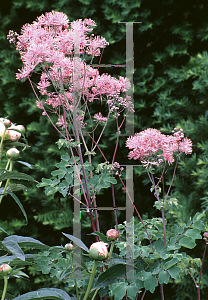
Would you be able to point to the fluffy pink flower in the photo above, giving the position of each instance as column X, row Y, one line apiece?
column 152, row 147
column 50, row 44
column 98, row 117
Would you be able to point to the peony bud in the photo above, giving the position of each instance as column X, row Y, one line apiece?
column 6, row 122
column 5, row 269
column 98, row 251
column 13, row 135
column 21, row 128
column 112, row 234
column 69, row 247
column 2, row 132
column 13, row 153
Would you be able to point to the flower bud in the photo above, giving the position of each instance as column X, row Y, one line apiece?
column 98, row 251
column 5, row 269
column 21, row 128
column 13, row 153
column 2, row 131
column 13, row 135
column 112, row 234
column 7, row 123
column 69, row 247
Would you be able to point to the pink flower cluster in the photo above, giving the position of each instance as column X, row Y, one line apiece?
column 152, row 147
column 50, row 44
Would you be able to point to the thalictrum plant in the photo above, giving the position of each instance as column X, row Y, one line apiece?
column 59, row 54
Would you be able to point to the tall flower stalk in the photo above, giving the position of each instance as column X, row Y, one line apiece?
column 155, row 150
column 58, row 50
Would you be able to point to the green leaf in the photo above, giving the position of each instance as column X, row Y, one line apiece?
column 101, row 236
column 60, row 172
column 132, row 291
column 4, row 231
column 45, row 182
column 187, row 242
column 16, row 187
column 77, row 241
column 26, row 164
column 46, row 293
column 16, row 175
column 193, row 233
column 65, row 157
column 174, row 272
column 198, row 216
column 164, row 277
column 198, row 225
column 19, row 274
column 14, row 261
column 170, row 263
column 27, row 242
column 150, row 283
column 14, row 248
column 120, row 290
column 121, row 261
column 19, row 204
column 110, row 276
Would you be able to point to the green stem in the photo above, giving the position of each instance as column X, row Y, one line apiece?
column 1, row 144
column 11, row 162
column 111, row 249
column 5, row 287
column 75, row 282
column 91, row 279
column 95, row 294
column 7, row 165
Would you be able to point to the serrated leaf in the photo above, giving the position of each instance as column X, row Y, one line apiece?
column 46, row 293
column 110, row 276
column 77, row 241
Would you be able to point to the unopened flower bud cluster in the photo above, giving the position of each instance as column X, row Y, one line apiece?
column 11, row 132
column 117, row 168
